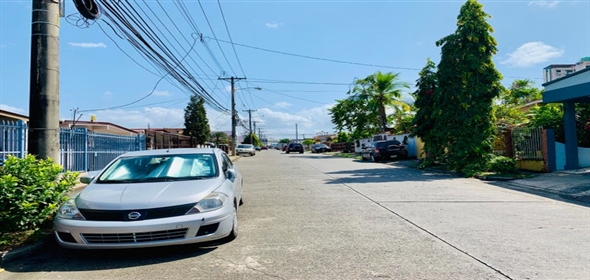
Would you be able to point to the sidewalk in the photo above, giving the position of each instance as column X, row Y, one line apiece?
column 566, row 184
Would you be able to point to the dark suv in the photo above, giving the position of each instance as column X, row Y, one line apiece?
column 294, row 147
column 384, row 150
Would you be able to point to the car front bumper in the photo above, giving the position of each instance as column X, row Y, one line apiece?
column 186, row 229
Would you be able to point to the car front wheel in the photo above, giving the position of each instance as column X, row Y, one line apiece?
column 234, row 231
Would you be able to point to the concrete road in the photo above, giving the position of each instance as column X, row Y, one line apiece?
column 313, row 216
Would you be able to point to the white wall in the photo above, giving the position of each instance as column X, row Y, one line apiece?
column 583, row 156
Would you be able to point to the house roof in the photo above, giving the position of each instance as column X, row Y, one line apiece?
column 12, row 115
column 574, row 87
column 96, row 125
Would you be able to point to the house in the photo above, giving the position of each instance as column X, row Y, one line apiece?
column 556, row 71
column 569, row 90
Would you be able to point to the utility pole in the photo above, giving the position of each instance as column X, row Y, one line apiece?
column 44, row 81
column 234, row 138
column 250, row 122
column 296, row 134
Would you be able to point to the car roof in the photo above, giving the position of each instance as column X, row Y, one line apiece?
column 176, row 151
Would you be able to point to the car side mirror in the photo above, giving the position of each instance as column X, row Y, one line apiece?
column 231, row 175
column 86, row 179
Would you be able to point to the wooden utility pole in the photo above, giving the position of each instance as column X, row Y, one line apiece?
column 43, row 130
column 234, row 138
column 250, row 123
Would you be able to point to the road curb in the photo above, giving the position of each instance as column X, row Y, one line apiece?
column 26, row 251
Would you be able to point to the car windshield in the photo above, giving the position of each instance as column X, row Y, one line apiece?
column 158, row 168
column 245, row 146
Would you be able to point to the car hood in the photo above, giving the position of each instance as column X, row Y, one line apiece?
column 145, row 195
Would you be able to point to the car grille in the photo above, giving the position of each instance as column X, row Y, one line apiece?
column 136, row 237
column 146, row 214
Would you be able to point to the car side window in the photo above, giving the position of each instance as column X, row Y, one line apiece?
column 227, row 164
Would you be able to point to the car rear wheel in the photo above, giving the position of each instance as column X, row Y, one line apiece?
column 374, row 159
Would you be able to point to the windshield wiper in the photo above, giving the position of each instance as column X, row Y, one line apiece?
column 116, row 181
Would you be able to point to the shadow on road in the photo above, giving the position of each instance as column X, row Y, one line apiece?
column 55, row 258
column 396, row 172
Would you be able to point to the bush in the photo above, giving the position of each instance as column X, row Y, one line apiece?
column 503, row 165
column 31, row 190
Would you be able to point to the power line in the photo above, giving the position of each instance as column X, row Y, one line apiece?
column 229, row 35
column 314, row 57
column 215, row 36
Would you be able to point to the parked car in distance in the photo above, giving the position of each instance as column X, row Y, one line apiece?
column 154, row 198
column 247, row 149
column 258, row 148
column 295, row 148
column 284, row 148
column 379, row 150
column 320, row 148
column 264, row 148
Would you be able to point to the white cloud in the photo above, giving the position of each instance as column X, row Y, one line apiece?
column 544, row 3
column 161, row 93
column 282, row 105
column 532, row 53
column 274, row 123
column 12, row 109
column 87, row 45
column 273, row 25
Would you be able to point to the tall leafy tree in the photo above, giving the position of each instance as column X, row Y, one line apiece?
column 468, row 83
column 195, row 120
column 425, row 118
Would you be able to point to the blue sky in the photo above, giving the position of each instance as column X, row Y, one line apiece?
column 98, row 72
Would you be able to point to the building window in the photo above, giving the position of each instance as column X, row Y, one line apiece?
column 568, row 71
column 558, row 71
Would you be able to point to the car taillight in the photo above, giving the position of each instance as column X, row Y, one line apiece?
column 376, row 150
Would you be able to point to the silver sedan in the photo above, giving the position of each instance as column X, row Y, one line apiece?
column 154, row 198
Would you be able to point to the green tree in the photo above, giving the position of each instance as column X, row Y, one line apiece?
column 381, row 91
column 583, row 124
column 343, row 137
column 195, row 120
column 468, row 83
column 425, row 118
column 549, row 116
column 522, row 92
column 354, row 115
column 252, row 138
column 219, row 137
column 285, row 141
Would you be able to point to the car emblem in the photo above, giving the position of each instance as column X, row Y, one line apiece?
column 133, row 215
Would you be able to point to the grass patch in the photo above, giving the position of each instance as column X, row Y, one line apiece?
column 344, row 155
column 13, row 240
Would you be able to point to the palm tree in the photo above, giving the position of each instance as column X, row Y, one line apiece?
column 382, row 90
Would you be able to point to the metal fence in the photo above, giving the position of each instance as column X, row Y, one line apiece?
column 527, row 143
column 13, row 139
column 80, row 149
column 83, row 150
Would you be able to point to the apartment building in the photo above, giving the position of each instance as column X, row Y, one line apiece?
column 556, row 71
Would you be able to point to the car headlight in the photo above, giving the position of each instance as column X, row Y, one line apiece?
column 212, row 202
column 69, row 211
